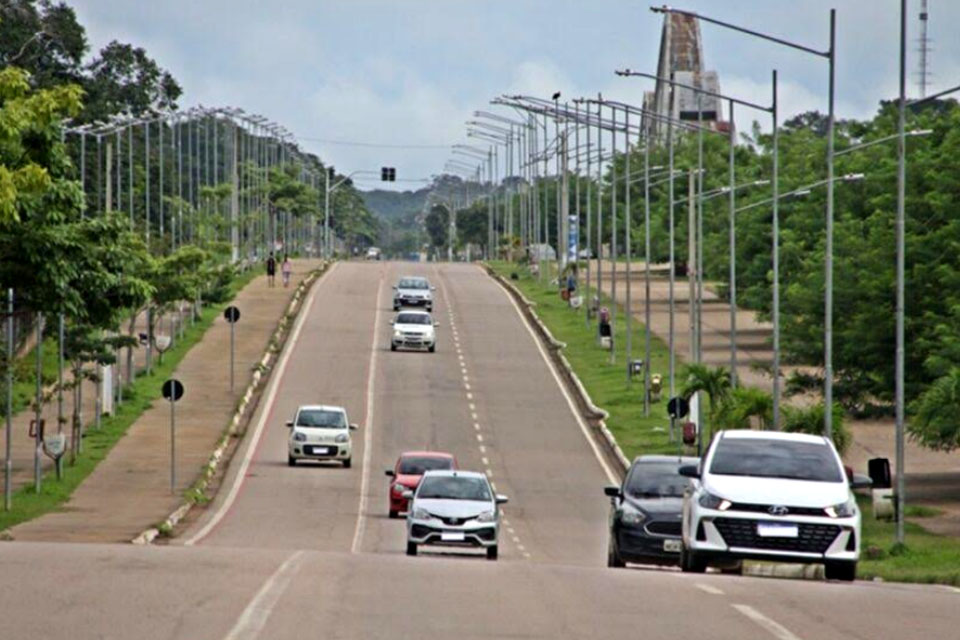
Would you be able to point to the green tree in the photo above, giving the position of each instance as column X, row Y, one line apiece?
column 715, row 382
column 934, row 423
column 810, row 420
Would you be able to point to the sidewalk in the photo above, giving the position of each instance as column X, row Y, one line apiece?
column 130, row 489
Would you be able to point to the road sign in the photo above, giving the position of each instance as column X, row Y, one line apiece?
column 172, row 390
column 231, row 314
column 677, row 407
column 55, row 446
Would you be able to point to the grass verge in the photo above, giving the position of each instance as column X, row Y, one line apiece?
column 137, row 398
column 605, row 382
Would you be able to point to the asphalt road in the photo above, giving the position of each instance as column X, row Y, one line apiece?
column 309, row 552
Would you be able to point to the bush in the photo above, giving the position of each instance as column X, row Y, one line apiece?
column 810, row 420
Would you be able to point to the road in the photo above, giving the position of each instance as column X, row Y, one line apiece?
column 309, row 551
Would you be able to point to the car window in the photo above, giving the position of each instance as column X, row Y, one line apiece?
column 416, row 466
column 454, row 488
column 655, row 480
column 321, row 418
column 768, row 458
column 413, row 318
column 409, row 283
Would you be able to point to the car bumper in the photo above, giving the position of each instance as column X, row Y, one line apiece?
column 412, row 302
column 635, row 544
column 311, row 451
column 433, row 532
column 398, row 503
column 730, row 535
column 413, row 343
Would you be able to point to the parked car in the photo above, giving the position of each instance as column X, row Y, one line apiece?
column 414, row 330
column 373, row 253
column 408, row 471
column 320, row 432
column 413, row 291
column 454, row 508
column 646, row 512
column 771, row 496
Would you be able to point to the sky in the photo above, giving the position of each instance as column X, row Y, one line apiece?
column 398, row 79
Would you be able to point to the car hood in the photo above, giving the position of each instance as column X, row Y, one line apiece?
column 657, row 505
column 796, row 493
column 454, row 508
column 408, row 480
column 414, row 328
column 424, row 293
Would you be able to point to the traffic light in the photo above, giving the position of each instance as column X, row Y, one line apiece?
column 388, row 174
column 331, row 173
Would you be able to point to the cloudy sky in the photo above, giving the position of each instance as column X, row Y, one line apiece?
column 407, row 74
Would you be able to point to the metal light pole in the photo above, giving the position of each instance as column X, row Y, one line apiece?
column 901, row 275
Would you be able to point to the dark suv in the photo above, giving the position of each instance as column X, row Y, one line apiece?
column 646, row 513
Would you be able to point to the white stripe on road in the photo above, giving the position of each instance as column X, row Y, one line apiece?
column 706, row 588
column 254, row 617
column 368, row 429
column 269, row 397
column 775, row 628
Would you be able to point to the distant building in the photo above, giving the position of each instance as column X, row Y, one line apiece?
column 681, row 56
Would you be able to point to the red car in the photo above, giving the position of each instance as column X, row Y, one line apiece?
column 408, row 471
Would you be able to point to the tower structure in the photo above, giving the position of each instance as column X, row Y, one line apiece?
column 923, row 73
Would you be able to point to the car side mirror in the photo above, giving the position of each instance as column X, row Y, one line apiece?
column 433, row 288
column 861, row 481
column 407, row 494
column 501, row 499
column 353, row 426
column 394, row 287
column 612, row 491
column 289, row 423
column 392, row 322
column 436, row 324
column 689, row 471
column 389, row 473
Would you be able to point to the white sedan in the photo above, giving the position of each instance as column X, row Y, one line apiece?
column 414, row 330
column 320, row 432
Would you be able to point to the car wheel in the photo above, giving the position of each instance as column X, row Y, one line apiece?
column 690, row 563
column 291, row 461
column 613, row 556
column 432, row 348
column 492, row 552
column 846, row 571
column 411, row 548
column 430, row 308
column 394, row 514
column 396, row 307
column 393, row 347
column 347, row 463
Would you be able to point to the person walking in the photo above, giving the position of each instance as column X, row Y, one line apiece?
column 286, row 269
column 271, row 270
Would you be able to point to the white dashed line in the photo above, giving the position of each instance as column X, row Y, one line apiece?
column 486, row 462
column 476, row 426
column 483, row 449
column 706, row 588
column 472, row 406
column 479, row 438
column 775, row 628
column 473, row 415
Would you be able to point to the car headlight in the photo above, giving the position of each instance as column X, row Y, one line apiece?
column 342, row 438
column 710, row 501
column 422, row 514
column 398, row 334
column 399, row 489
column 487, row 516
column 631, row 516
column 299, row 437
column 842, row 510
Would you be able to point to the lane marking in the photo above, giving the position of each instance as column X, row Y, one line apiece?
column 269, row 398
column 706, row 588
column 255, row 615
column 476, row 426
column 486, row 462
column 489, row 473
column 368, row 429
column 479, row 438
column 483, row 449
column 472, row 406
column 776, row 629
column 611, row 476
column 467, row 386
column 473, row 414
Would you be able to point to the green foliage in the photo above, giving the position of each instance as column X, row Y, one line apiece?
column 437, row 224
column 715, row 382
column 810, row 420
column 744, row 406
column 935, row 422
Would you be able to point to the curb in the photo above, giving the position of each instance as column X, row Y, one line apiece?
column 263, row 367
column 591, row 411
column 778, row 570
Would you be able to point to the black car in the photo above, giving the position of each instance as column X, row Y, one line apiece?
column 646, row 513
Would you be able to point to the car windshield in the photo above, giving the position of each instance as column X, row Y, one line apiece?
column 417, row 466
column 411, row 283
column 656, row 480
column 323, row 418
column 454, row 488
column 413, row 318
column 768, row 458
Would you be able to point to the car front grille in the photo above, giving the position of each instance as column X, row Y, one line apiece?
column 454, row 522
column 420, row 531
column 413, row 337
column 664, row 528
column 765, row 508
column 811, row 538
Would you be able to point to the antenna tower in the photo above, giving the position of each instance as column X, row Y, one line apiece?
column 923, row 75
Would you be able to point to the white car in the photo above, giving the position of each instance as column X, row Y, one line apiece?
column 373, row 253
column 413, row 291
column 770, row 496
column 320, row 432
column 454, row 508
column 414, row 330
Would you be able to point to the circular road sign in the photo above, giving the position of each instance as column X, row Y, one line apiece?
column 172, row 389
column 231, row 314
column 677, row 407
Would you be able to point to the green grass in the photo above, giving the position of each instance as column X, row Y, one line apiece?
column 25, row 375
column 606, row 383
column 98, row 442
column 926, row 557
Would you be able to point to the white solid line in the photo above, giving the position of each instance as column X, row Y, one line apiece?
column 255, row 615
column 611, row 476
column 706, row 588
column 368, row 429
column 775, row 628
column 269, row 397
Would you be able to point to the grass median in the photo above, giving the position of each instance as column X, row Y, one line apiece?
column 606, row 383
column 97, row 442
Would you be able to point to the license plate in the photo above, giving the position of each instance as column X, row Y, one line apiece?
column 452, row 537
column 673, row 546
column 320, row 451
column 777, row 530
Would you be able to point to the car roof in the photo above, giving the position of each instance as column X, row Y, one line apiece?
column 421, row 278
column 414, row 312
column 666, row 459
column 427, row 454
column 456, row 473
column 747, row 434
column 321, row 407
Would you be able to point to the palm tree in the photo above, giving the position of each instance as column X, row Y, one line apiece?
column 935, row 424
column 746, row 403
column 715, row 382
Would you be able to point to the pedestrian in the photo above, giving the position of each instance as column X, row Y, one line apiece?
column 285, row 269
column 271, row 270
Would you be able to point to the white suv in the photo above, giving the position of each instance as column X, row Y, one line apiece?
column 770, row 496
column 320, row 432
